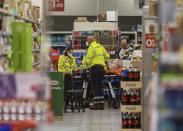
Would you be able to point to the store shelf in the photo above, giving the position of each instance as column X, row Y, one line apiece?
column 36, row 63
column 35, row 34
column 171, row 114
column 36, row 50
column 3, row 54
column 5, row 12
column 131, row 108
column 151, row 17
column 126, row 32
column 6, row 33
column 57, row 45
column 131, row 129
column 59, row 32
column 131, row 84
column 170, row 58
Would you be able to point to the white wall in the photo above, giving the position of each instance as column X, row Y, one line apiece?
column 40, row 4
column 89, row 7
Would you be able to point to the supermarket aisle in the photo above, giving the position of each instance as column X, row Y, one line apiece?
column 106, row 120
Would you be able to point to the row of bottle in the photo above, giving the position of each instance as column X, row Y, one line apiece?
column 21, row 117
column 131, row 74
column 131, row 97
column 23, row 108
column 131, row 120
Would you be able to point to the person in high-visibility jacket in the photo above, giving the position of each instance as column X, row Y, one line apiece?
column 96, row 58
column 67, row 64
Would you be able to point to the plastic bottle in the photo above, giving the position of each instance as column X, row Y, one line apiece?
column 132, row 98
column 124, row 120
column 124, row 97
column 130, row 121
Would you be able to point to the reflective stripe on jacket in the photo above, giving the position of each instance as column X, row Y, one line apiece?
column 96, row 55
column 66, row 64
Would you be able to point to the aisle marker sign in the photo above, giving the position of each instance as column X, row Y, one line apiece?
column 150, row 41
column 56, row 5
column 151, row 29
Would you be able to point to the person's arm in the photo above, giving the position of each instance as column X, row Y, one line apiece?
column 106, row 54
column 73, row 64
column 61, row 64
column 89, row 56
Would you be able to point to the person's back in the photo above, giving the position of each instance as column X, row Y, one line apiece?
column 96, row 55
column 96, row 58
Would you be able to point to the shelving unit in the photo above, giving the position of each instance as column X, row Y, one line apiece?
column 167, row 95
column 7, row 34
column 132, row 36
column 131, row 101
column 5, row 12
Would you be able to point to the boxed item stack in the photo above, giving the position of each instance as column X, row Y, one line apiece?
column 131, row 104
column 35, row 12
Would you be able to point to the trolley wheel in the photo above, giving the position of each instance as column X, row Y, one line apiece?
column 72, row 110
column 115, row 105
column 65, row 110
column 83, row 109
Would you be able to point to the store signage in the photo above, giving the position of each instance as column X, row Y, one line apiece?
column 76, row 33
column 115, row 33
column 151, row 30
column 150, row 41
column 56, row 5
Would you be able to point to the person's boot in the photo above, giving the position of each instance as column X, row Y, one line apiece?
column 101, row 106
column 95, row 106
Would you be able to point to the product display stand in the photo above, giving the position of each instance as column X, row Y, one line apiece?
column 131, row 101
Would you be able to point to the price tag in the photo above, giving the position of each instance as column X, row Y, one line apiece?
column 56, row 5
column 150, row 41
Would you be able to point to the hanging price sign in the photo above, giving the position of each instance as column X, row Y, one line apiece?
column 151, row 30
column 150, row 41
column 115, row 33
column 56, row 5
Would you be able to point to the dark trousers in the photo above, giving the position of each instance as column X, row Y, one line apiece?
column 97, row 78
column 68, row 81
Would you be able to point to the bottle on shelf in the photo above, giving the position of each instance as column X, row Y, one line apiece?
column 137, row 119
column 130, row 121
column 124, row 120
column 128, row 97
column 137, row 97
column 135, row 75
column 124, row 97
column 130, row 75
column 124, row 74
column 132, row 97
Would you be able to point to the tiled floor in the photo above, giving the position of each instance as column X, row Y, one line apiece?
column 106, row 120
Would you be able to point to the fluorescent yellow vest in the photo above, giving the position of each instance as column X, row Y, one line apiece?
column 96, row 55
column 66, row 64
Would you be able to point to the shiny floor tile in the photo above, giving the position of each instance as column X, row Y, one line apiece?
column 105, row 120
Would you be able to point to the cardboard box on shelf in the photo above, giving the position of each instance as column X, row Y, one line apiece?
column 81, row 19
column 136, row 63
column 153, row 8
column 35, row 12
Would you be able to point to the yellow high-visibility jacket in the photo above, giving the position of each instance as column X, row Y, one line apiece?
column 96, row 55
column 66, row 64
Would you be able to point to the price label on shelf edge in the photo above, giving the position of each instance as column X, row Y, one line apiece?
column 131, row 108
